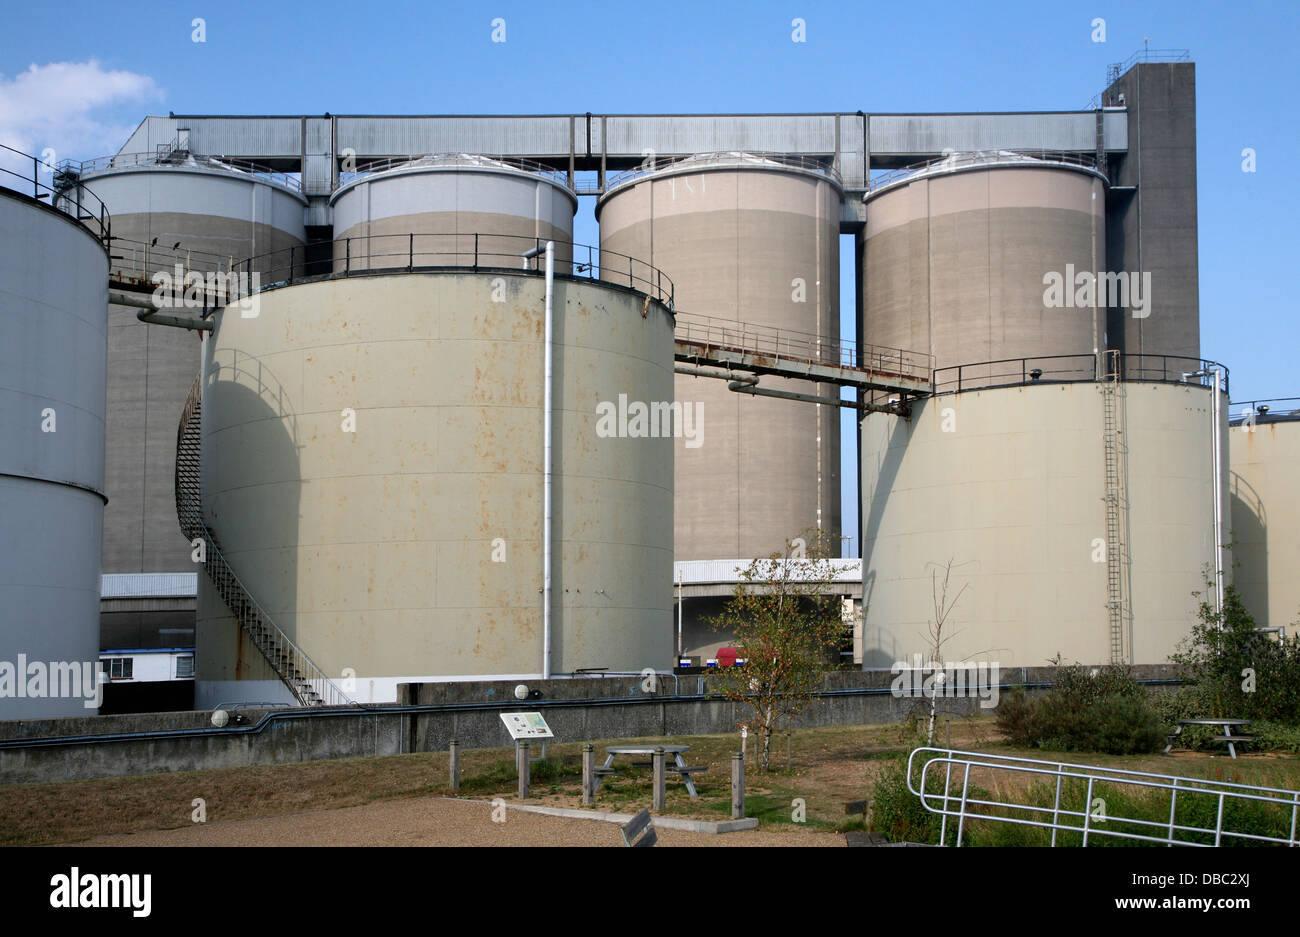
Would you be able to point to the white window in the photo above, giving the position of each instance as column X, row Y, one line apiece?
column 120, row 668
column 185, row 666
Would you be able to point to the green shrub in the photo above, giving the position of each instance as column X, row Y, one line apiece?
column 897, row 812
column 1105, row 711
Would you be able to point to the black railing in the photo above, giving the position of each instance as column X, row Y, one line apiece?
column 1264, row 411
column 1072, row 369
column 81, row 206
column 377, row 254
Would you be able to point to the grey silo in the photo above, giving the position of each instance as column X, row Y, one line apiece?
column 217, row 214
column 955, row 254
column 448, row 209
column 52, row 366
column 754, row 239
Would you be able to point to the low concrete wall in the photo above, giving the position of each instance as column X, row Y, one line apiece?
column 577, row 710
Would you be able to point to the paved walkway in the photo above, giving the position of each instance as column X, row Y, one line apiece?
column 434, row 821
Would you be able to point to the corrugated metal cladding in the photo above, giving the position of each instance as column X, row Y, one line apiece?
column 149, row 585
column 932, row 133
column 799, row 133
column 522, row 136
column 237, row 136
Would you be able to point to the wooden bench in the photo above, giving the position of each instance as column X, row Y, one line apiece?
column 639, row 824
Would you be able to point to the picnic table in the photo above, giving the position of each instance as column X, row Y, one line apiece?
column 1225, row 724
column 680, row 767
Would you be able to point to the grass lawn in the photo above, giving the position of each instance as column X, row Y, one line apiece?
column 824, row 767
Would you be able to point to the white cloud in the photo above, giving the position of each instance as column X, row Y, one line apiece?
column 79, row 109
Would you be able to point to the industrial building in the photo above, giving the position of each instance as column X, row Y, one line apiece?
column 389, row 456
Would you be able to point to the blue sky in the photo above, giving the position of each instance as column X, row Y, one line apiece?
column 121, row 61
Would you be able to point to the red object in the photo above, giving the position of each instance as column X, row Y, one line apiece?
column 727, row 656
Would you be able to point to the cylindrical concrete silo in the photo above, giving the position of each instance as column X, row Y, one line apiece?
column 755, row 240
column 1010, row 485
column 1264, row 456
column 203, row 214
column 955, row 257
column 376, row 480
column 446, row 210
column 52, row 401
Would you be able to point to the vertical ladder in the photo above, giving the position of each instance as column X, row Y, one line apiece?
column 1116, row 506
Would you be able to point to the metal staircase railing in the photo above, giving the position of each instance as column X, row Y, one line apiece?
column 307, row 682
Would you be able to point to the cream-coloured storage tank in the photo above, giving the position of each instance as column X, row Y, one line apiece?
column 1009, row 484
column 1264, row 456
column 955, row 255
column 751, row 239
column 372, row 467
column 449, row 209
column 169, row 209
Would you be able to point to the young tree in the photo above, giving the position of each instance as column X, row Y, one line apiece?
column 942, row 608
column 786, row 618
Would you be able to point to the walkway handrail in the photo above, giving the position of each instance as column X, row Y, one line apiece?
column 83, row 207
column 954, row 161
column 727, row 158
column 180, row 159
column 964, row 806
column 453, row 161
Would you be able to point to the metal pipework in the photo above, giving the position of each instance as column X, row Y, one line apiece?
column 1216, row 450
column 149, row 313
column 546, row 452
column 744, row 383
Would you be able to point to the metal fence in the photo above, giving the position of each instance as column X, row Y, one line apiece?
column 416, row 253
column 738, row 158
column 83, row 207
column 454, row 161
column 1061, row 369
column 955, row 161
column 801, row 347
column 1079, row 809
column 178, row 159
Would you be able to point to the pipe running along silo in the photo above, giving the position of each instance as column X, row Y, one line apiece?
column 750, row 239
column 450, row 210
column 372, row 468
column 175, row 215
column 52, row 407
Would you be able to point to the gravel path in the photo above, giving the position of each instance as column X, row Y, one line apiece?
column 434, row 821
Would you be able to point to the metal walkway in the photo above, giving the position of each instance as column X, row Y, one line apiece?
column 1088, row 816
column 307, row 682
column 703, row 342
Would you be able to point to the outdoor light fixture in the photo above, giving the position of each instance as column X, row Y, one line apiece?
column 521, row 691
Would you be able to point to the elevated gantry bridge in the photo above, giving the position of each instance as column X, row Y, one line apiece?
column 740, row 353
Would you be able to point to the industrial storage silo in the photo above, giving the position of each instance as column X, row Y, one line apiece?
column 447, row 210
column 1011, row 485
column 1264, row 457
column 755, row 240
column 955, row 255
column 203, row 214
column 376, row 481
column 52, row 401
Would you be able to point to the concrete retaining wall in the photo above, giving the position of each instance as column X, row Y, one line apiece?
column 576, row 710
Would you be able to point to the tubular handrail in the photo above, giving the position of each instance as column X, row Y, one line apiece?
column 1289, row 410
column 413, row 253
column 1081, row 368
column 955, row 161
column 309, row 684
column 84, row 207
column 452, row 161
column 179, row 159
column 966, row 804
column 653, row 164
column 791, row 345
